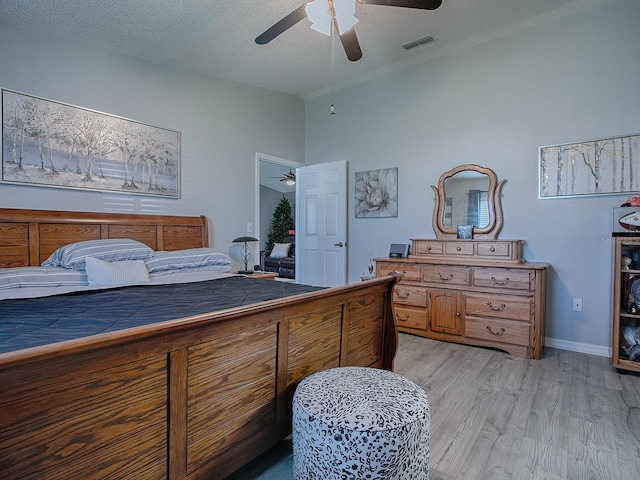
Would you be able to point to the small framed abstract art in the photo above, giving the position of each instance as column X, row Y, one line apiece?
column 377, row 193
column 465, row 231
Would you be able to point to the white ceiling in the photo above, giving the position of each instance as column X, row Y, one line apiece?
column 216, row 37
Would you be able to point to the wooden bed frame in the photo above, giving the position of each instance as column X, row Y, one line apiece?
column 190, row 398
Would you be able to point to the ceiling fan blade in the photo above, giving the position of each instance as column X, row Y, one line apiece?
column 351, row 45
column 421, row 4
column 286, row 176
column 282, row 26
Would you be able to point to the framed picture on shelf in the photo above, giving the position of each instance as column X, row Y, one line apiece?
column 465, row 231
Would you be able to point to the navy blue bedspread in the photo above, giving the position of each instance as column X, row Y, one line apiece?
column 39, row 321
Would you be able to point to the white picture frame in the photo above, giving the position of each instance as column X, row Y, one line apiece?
column 46, row 143
column 606, row 166
column 376, row 193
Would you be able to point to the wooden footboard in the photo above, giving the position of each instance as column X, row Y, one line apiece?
column 193, row 398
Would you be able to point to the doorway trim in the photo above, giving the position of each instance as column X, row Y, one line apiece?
column 263, row 157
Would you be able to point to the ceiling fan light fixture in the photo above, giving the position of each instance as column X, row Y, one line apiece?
column 319, row 12
column 290, row 181
column 329, row 16
column 345, row 10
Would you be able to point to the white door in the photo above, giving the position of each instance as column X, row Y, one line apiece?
column 321, row 224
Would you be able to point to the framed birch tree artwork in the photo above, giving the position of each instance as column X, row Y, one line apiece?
column 52, row 144
column 607, row 166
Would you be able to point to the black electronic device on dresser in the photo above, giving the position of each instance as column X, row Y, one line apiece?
column 399, row 250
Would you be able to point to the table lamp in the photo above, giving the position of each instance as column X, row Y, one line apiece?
column 245, row 252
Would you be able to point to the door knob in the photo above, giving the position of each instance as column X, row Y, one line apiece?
column 338, row 244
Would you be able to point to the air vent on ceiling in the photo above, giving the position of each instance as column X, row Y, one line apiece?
column 418, row 42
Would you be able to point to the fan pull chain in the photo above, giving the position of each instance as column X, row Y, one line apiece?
column 332, row 110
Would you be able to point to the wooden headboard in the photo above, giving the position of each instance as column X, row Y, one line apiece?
column 28, row 237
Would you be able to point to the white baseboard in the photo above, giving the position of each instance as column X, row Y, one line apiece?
column 578, row 347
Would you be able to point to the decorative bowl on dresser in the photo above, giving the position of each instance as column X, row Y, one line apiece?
column 475, row 291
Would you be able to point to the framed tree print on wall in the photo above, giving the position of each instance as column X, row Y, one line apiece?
column 605, row 166
column 53, row 144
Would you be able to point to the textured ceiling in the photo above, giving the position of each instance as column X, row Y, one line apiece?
column 216, row 37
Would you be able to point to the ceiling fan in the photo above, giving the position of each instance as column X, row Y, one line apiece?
column 288, row 178
column 337, row 15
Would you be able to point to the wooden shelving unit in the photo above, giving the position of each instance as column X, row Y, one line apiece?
column 625, row 338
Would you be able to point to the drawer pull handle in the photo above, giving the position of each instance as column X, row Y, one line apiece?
column 458, row 248
column 492, row 249
column 500, row 282
column 447, row 278
column 496, row 309
column 429, row 248
column 497, row 332
column 406, row 317
column 402, row 295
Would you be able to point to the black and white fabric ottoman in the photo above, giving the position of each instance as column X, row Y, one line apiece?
column 360, row 423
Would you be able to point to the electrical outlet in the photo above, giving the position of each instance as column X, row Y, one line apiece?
column 249, row 227
column 577, row 304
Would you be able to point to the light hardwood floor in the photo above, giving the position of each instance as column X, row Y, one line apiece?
column 495, row 416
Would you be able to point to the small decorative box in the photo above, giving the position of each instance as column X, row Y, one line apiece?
column 465, row 231
column 626, row 220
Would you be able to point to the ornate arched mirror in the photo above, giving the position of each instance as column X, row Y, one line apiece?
column 468, row 195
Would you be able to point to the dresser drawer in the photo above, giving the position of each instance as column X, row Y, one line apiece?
column 505, row 278
column 458, row 248
column 497, row 330
column 408, row 271
column 411, row 317
column 410, row 295
column 427, row 247
column 494, row 249
column 499, row 306
column 446, row 275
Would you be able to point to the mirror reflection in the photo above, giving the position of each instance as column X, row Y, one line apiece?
column 467, row 195
column 466, row 200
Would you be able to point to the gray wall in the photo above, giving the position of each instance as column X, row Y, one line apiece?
column 223, row 125
column 569, row 80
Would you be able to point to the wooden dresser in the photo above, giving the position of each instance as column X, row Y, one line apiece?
column 476, row 292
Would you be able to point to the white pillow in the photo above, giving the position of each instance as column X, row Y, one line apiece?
column 280, row 250
column 126, row 272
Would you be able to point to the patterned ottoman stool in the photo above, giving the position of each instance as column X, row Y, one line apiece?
column 360, row 423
